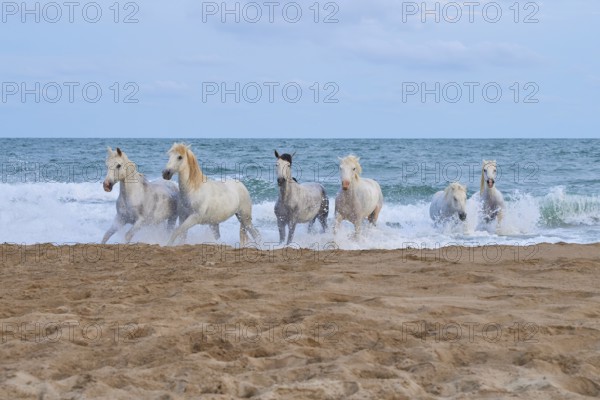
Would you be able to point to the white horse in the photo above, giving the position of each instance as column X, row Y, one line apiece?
column 204, row 201
column 140, row 202
column 493, row 202
column 358, row 198
column 449, row 202
column 297, row 203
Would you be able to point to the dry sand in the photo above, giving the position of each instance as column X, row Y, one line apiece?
column 147, row 322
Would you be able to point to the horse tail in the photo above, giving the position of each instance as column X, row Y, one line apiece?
column 380, row 193
column 244, row 215
column 324, row 209
column 324, row 202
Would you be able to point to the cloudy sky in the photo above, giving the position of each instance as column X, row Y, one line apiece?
column 378, row 68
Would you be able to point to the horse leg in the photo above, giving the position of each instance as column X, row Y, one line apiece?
column 255, row 233
column 182, row 229
column 244, row 229
column 324, row 213
column 499, row 218
column 171, row 222
column 311, row 224
column 245, row 218
column 243, row 232
column 291, row 230
column 371, row 217
column 357, row 228
column 489, row 216
column 281, row 226
column 134, row 229
column 215, row 230
column 323, row 221
column 338, row 221
column 116, row 225
column 182, row 216
column 374, row 216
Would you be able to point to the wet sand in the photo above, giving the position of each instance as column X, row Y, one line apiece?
column 141, row 321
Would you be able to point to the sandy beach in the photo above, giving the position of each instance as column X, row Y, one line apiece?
column 141, row 321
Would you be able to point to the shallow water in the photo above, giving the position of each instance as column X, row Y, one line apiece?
column 51, row 189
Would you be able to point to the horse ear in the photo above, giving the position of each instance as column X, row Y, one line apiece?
column 109, row 150
column 276, row 154
column 293, row 154
column 119, row 152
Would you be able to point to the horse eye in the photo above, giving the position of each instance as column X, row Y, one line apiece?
column 353, row 169
column 180, row 158
column 118, row 166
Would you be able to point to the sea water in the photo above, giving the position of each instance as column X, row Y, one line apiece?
column 51, row 189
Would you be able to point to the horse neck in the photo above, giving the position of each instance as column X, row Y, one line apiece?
column 191, row 178
column 447, row 194
column 130, row 184
column 354, row 183
column 286, row 190
column 487, row 192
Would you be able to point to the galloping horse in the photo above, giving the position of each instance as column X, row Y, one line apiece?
column 297, row 203
column 493, row 202
column 358, row 198
column 140, row 202
column 204, row 201
column 449, row 202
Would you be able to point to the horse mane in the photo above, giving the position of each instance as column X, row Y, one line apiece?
column 286, row 157
column 196, row 177
column 482, row 184
column 453, row 186
column 354, row 160
column 127, row 163
column 118, row 153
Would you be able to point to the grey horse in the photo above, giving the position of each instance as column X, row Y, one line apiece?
column 298, row 203
column 140, row 202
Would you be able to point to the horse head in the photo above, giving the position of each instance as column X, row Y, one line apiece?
column 284, row 167
column 118, row 168
column 456, row 198
column 489, row 173
column 181, row 158
column 350, row 170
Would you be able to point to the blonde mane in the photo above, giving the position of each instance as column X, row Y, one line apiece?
column 195, row 175
column 481, row 183
column 454, row 186
column 354, row 160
